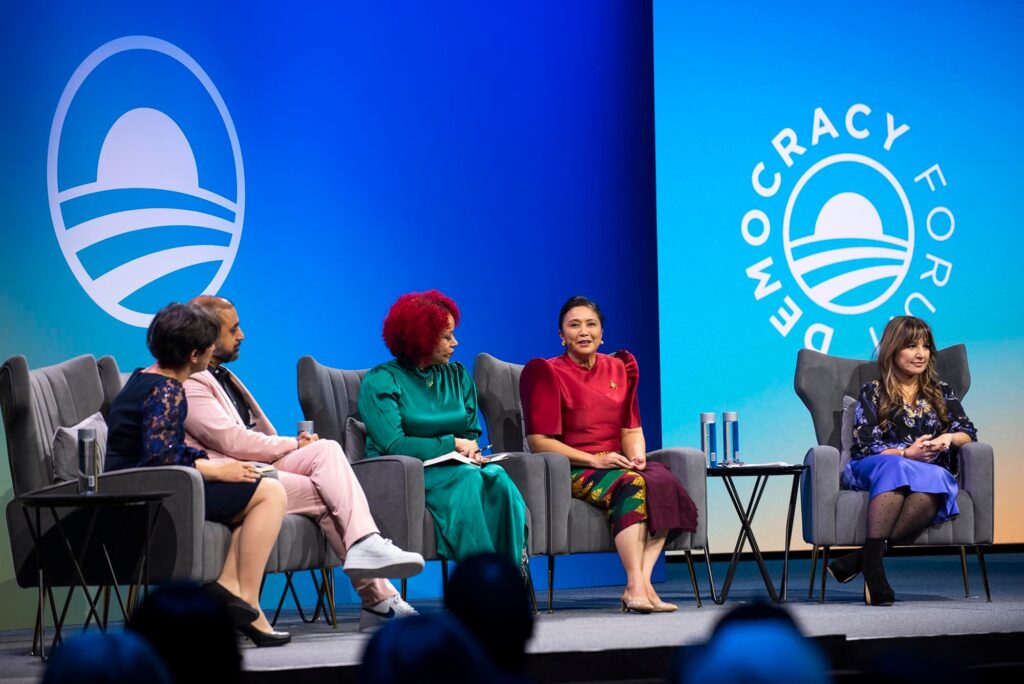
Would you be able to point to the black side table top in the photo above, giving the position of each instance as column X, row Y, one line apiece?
column 768, row 469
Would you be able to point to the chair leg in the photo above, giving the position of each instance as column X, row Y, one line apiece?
column 551, row 583
column 824, row 574
column 444, row 577
column 405, row 589
column 693, row 577
column 814, row 566
column 984, row 573
column 963, row 571
column 529, row 587
column 327, row 577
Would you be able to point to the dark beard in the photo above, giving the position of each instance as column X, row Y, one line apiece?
column 221, row 356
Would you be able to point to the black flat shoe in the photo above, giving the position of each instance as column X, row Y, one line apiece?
column 239, row 610
column 265, row 639
column 845, row 568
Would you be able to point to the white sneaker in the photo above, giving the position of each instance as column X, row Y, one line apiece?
column 391, row 608
column 375, row 556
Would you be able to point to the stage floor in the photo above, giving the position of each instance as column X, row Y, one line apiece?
column 929, row 592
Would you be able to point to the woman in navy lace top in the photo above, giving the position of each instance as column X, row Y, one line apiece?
column 908, row 427
column 147, row 428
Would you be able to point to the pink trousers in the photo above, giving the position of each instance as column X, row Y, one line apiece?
column 321, row 485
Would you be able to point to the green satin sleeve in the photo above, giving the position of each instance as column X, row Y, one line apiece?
column 380, row 407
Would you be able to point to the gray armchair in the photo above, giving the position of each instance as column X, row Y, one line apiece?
column 575, row 526
column 394, row 484
column 837, row 517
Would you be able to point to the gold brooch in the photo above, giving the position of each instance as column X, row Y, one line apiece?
column 613, row 385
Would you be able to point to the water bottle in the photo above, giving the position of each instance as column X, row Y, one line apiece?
column 88, row 461
column 731, row 436
column 305, row 426
column 707, row 438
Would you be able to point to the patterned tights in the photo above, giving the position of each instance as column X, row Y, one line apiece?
column 899, row 516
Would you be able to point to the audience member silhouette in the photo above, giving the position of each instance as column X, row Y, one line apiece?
column 192, row 631
column 426, row 649
column 106, row 658
column 754, row 643
column 487, row 594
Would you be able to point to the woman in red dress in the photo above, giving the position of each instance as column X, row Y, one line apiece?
column 583, row 405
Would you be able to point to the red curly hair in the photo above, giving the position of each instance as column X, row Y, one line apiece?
column 415, row 323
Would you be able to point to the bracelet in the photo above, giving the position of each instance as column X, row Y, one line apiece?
column 903, row 453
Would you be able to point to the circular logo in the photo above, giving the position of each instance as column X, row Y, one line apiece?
column 841, row 252
column 144, row 177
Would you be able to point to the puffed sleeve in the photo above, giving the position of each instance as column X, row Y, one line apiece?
column 381, row 410
column 868, row 438
column 163, row 428
column 541, row 395
column 631, row 407
column 958, row 420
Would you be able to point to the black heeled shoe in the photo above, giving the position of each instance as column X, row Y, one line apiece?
column 265, row 639
column 239, row 610
column 846, row 567
column 877, row 591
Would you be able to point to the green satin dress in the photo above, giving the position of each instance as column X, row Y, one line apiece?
column 419, row 413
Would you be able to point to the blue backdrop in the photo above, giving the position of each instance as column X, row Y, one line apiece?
column 821, row 169
column 502, row 152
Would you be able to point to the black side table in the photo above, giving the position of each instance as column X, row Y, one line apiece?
column 746, row 516
column 61, row 506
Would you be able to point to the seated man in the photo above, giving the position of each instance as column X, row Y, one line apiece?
column 225, row 420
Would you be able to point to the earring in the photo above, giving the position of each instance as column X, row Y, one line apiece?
column 563, row 343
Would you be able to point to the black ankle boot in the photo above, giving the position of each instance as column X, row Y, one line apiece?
column 877, row 591
column 845, row 568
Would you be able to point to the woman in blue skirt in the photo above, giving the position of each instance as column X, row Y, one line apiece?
column 907, row 430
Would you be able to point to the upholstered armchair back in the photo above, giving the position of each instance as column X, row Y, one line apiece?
column 821, row 382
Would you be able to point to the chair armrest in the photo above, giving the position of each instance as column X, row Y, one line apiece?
column 559, row 498
column 819, row 493
column 176, row 547
column 393, row 486
column 530, row 475
column 690, row 466
column 977, row 478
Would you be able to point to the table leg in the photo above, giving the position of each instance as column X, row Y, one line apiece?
column 784, row 589
column 746, row 517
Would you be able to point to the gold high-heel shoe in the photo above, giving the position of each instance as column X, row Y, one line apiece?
column 632, row 605
column 663, row 607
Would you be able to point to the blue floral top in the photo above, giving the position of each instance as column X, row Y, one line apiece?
column 908, row 424
column 146, row 424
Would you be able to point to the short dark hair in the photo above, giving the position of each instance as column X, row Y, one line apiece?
column 176, row 331
column 579, row 300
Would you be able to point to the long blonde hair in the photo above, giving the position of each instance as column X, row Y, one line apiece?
column 900, row 333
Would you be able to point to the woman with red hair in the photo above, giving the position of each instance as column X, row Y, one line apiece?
column 421, row 404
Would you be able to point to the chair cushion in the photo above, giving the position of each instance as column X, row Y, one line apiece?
column 355, row 440
column 65, row 447
column 846, row 431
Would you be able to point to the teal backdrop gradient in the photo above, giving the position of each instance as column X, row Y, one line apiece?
column 728, row 79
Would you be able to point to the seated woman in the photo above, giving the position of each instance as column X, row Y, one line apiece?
column 421, row 405
column 147, row 428
column 908, row 427
column 583, row 405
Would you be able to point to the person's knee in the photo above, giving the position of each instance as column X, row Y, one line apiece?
column 272, row 491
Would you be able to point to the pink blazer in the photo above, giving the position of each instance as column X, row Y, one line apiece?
column 214, row 425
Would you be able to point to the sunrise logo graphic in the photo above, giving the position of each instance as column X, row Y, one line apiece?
column 841, row 252
column 145, row 179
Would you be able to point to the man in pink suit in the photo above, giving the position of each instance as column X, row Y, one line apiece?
column 225, row 421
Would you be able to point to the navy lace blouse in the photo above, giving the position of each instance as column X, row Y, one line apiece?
column 908, row 424
column 146, row 424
